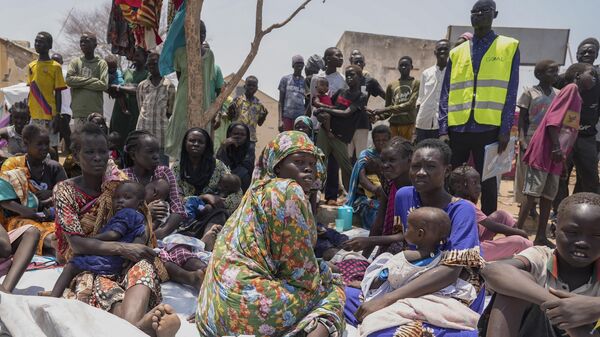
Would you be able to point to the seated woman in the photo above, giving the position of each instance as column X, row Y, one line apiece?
column 83, row 206
column 264, row 278
column 199, row 173
column 142, row 159
column 465, row 182
column 237, row 152
column 365, row 189
column 551, row 292
column 26, row 184
column 16, row 250
column 429, row 167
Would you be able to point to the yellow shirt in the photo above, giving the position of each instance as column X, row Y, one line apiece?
column 44, row 78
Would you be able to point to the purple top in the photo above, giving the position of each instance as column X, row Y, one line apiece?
column 480, row 47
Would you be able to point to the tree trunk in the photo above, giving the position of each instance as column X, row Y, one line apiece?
column 193, row 47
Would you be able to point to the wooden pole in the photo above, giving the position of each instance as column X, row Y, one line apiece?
column 194, row 63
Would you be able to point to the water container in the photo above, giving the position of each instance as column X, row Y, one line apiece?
column 345, row 213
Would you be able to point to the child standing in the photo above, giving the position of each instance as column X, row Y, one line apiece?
column 543, row 290
column 291, row 96
column 247, row 109
column 127, row 225
column 551, row 144
column 533, row 104
column 401, row 101
column 156, row 98
column 115, row 77
column 465, row 182
column 45, row 80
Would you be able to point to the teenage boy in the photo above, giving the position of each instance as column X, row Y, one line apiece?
column 533, row 104
column 248, row 109
column 428, row 102
column 88, row 79
column 544, row 291
column 333, row 59
column 401, row 101
column 155, row 97
column 350, row 105
column 479, row 93
column 45, row 80
column 292, row 98
column 585, row 153
column 551, row 144
column 368, row 85
column 64, row 128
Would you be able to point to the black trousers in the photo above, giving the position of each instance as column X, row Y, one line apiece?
column 423, row 134
column 463, row 144
column 584, row 158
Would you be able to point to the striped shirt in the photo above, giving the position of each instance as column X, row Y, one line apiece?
column 155, row 103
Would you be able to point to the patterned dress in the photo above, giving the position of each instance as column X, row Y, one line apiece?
column 264, row 278
column 78, row 213
column 232, row 201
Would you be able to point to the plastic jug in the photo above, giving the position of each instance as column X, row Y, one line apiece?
column 345, row 213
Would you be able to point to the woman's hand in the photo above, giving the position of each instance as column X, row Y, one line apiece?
column 319, row 331
column 357, row 244
column 158, row 210
column 215, row 200
column 229, row 141
column 380, row 193
column 571, row 310
column 136, row 252
column 43, row 195
column 370, row 307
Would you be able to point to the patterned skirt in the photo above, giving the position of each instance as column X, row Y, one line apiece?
column 102, row 291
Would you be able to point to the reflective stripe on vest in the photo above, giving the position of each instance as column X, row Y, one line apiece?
column 491, row 83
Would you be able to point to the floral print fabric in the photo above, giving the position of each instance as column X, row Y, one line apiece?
column 264, row 278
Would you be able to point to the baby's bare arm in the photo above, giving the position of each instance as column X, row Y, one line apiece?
column 108, row 236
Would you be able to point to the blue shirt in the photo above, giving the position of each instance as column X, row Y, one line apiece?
column 478, row 50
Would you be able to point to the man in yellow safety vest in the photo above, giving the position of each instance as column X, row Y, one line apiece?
column 478, row 98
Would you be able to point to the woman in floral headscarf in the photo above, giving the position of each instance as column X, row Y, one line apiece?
column 264, row 278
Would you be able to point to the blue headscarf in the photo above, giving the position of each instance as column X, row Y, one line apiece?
column 175, row 39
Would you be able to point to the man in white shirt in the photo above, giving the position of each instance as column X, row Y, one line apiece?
column 429, row 93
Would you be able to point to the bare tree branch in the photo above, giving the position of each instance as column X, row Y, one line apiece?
column 285, row 22
column 214, row 108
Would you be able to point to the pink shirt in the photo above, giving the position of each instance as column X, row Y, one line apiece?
column 564, row 114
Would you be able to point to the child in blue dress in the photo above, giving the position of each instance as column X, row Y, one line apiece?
column 128, row 225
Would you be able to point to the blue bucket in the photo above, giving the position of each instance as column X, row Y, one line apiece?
column 345, row 213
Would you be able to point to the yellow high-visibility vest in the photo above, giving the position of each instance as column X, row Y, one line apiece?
column 491, row 83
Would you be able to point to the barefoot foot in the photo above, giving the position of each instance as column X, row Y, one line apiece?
column 167, row 323
column 210, row 237
column 146, row 324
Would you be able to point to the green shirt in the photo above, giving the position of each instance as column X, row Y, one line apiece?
column 88, row 79
column 401, row 101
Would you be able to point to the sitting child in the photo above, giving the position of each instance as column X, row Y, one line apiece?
column 196, row 208
column 465, row 183
column 157, row 191
column 373, row 169
column 539, row 282
column 323, row 100
column 428, row 229
column 19, row 118
column 127, row 225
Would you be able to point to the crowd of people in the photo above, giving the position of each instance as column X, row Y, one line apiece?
column 145, row 199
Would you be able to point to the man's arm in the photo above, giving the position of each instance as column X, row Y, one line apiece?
column 263, row 115
column 443, row 111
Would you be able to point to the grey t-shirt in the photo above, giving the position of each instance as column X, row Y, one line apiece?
column 293, row 88
column 537, row 103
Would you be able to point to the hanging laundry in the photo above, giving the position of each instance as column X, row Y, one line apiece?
column 143, row 17
column 119, row 34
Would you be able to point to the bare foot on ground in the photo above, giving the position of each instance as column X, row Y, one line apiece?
column 167, row 323
column 210, row 237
